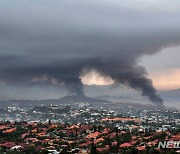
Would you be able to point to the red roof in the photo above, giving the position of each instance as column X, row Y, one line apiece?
column 7, row 144
column 176, row 138
column 112, row 135
column 3, row 127
column 24, row 135
column 98, row 140
column 141, row 148
column 123, row 119
column 106, row 130
column 126, row 145
column 114, row 143
column 83, row 145
column 106, row 148
column 133, row 142
column 93, row 135
column 9, row 130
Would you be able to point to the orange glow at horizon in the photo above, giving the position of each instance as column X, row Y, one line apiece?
column 166, row 80
column 95, row 78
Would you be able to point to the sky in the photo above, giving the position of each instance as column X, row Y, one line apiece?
column 164, row 68
column 52, row 47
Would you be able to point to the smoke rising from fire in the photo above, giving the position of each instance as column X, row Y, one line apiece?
column 59, row 39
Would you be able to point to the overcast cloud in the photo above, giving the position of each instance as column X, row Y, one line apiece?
column 55, row 41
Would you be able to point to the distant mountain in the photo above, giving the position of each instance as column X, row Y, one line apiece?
column 171, row 97
column 75, row 99
column 63, row 100
column 171, row 93
column 114, row 98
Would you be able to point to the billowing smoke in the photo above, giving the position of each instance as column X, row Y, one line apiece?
column 53, row 41
column 129, row 74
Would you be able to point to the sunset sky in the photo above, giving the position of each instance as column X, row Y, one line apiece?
column 164, row 68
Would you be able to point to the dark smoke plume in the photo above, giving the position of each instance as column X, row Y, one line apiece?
column 53, row 41
column 127, row 74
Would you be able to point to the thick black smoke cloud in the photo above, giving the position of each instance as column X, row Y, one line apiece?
column 127, row 74
column 54, row 41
